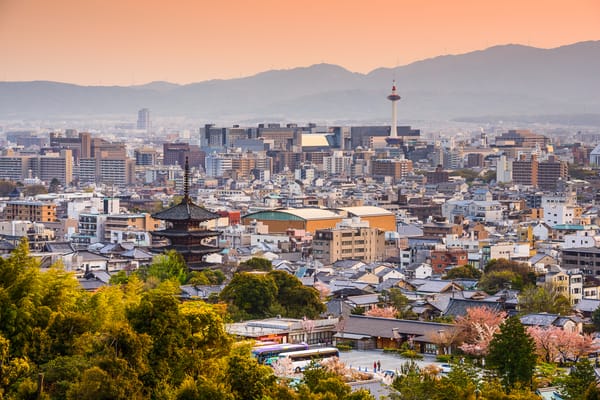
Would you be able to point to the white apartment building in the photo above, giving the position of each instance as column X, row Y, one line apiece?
column 559, row 209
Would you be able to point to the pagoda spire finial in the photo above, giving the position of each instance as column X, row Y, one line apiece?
column 186, row 181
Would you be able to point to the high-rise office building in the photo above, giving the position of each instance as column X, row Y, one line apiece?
column 50, row 166
column 143, row 120
column 525, row 171
column 550, row 172
column 176, row 153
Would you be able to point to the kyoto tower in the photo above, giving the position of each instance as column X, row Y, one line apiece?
column 394, row 97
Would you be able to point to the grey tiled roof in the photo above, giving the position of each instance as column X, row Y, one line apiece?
column 459, row 307
column 59, row 247
column 538, row 319
column 185, row 211
column 587, row 305
column 386, row 327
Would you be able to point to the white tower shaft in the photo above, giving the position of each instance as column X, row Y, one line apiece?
column 394, row 97
column 394, row 127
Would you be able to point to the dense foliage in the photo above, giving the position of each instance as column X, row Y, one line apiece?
column 258, row 295
column 131, row 340
column 501, row 274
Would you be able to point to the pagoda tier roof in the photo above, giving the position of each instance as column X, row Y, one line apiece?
column 182, row 233
column 200, row 265
column 185, row 211
column 196, row 249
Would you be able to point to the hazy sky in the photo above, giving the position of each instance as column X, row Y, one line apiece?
column 126, row 42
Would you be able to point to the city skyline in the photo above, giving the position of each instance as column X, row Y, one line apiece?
column 134, row 42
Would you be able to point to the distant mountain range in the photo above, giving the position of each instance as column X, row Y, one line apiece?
column 499, row 82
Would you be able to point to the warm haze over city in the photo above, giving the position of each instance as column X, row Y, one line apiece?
column 300, row 199
column 129, row 42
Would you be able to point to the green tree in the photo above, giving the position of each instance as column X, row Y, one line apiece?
column 33, row 190
column 512, row 354
column 61, row 372
column 12, row 369
column 110, row 383
column 575, row 385
column 255, row 264
column 158, row 316
column 596, row 318
column 296, row 299
column 592, row 392
column 395, row 298
column 468, row 174
column 206, row 341
column 526, row 276
column 495, row 281
column 168, row 266
column 54, row 186
column 547, row 298
column 251, row 295
column 6, row 187
column 247, row 379
column 577, row 172
column 413, row 384
column 464, row 272
column 459, row 383
column 120, row 278
column 206, row 277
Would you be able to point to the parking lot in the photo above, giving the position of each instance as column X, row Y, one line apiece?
column 364, row 359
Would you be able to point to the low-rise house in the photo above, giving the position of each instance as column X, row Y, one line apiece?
column 432, row 286
column 384, row 273
column 204, row 292
column 569, row 282
column 286, row 330
column 586, row 307
column 366, row 301
column 418, row 271
column 459, row 307
column 540, row 262
column 591, row 288
column 570, row 323
column 366, row 333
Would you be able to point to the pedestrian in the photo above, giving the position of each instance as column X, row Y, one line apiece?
column 374, row 366
column 378, row 365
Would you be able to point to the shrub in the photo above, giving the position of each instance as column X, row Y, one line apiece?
column 343, row 346
column 411, row 354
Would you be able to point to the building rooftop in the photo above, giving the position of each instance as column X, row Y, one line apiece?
column 366, row 211
column 306, row 214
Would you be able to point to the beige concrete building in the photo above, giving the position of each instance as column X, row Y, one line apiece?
column 349, row 240
column 569, row 283
column 34, row 211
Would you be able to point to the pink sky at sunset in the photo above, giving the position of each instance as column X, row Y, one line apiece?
column 128, row 42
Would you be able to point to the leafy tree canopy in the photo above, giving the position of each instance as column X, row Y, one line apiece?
column 463, row 272
column 546, row 298
column 255, row 264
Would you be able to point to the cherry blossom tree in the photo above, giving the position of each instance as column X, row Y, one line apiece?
column 478, row 327
column 554, row 344
column 308, row 325
column 323, row 290
column 383, row 312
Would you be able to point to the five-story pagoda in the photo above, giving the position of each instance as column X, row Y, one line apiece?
column 186, row 232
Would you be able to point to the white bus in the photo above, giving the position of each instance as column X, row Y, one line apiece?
column 301, row 359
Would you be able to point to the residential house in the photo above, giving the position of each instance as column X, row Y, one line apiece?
column 569, row 324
